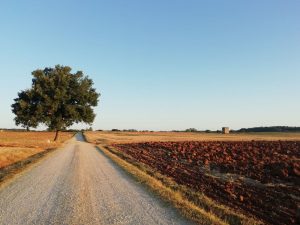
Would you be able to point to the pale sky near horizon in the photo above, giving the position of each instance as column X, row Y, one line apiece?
column 162, row 64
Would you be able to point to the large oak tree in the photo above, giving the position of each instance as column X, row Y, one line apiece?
column 57, row 99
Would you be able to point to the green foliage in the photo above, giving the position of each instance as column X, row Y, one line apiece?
column 57, row 99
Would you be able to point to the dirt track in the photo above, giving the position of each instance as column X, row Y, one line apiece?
column 80, row 185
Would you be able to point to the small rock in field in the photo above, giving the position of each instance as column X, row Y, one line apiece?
column 241, row 198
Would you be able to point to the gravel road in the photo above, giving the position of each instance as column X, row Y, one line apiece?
column 80, row 185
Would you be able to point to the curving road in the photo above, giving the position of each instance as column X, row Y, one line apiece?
column 80, row 185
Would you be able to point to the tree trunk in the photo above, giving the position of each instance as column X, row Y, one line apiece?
column 56, row 135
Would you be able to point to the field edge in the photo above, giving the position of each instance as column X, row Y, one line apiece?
column 9, row 172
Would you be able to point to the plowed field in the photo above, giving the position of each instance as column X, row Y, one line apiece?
column 259, row 178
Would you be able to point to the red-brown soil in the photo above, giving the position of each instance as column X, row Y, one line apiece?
column 259, row 178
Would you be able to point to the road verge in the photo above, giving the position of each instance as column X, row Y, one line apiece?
column 10, row 171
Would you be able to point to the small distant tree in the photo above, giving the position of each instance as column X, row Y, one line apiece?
column 115, row 130
column 57, row 99
column 191, row 130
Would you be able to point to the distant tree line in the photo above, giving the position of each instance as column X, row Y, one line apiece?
column 46, row 130
column 246, row 130
column 242, row 130
column 13, row 129
column 270, row 129
column 127, row 130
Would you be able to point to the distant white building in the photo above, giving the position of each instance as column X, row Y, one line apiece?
column 225, row 130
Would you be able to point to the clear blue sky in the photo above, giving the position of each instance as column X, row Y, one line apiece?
column 162, row 64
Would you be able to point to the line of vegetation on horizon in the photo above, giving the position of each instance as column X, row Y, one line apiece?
column 269, row 129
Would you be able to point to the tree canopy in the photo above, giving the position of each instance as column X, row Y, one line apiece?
column 57, row 99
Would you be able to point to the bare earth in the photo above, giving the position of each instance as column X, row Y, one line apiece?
column 79, row 185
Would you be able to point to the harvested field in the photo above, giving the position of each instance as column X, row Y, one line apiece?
column 259, row 178
column 16, row 146
column 137, row 137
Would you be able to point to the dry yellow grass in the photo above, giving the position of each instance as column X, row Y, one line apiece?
column 132, row 137
column 17, row 146
column 10, row 155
